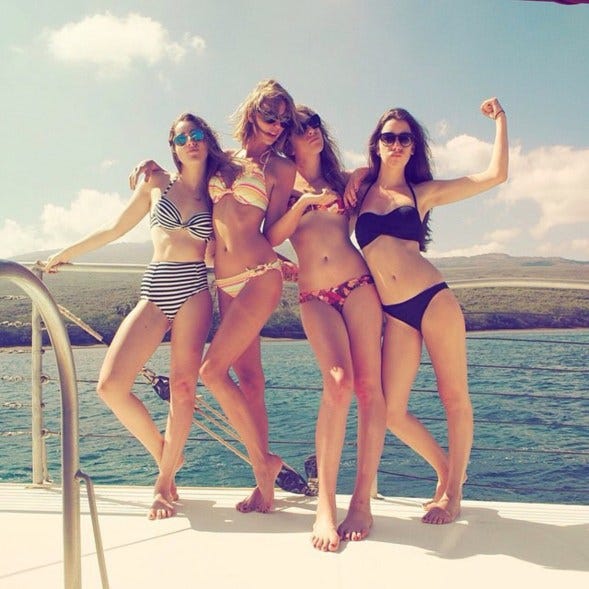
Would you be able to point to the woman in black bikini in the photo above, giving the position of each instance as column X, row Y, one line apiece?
column 342, row 318
column 393, row 201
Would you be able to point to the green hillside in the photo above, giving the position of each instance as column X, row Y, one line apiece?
column 103, row 299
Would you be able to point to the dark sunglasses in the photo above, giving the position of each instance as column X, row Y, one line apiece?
column 182, row 138
column 314, row 122
column 270, row 118
column 405, row 139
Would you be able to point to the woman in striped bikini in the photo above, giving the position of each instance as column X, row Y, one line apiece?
column 174, row 295
column 248, row 274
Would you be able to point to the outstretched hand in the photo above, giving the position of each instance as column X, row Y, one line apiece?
column 353, row 186
column 147, row 168
column 492, row 108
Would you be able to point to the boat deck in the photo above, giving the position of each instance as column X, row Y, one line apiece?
column 210, row 544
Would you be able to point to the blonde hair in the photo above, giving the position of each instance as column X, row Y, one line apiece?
column 272, row 94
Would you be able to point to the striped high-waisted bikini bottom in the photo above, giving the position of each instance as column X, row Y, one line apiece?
column 170, row 284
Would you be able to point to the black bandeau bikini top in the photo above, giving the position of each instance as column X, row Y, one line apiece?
column 403, row 222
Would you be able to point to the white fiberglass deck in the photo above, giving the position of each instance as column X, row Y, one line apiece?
column 211, row 545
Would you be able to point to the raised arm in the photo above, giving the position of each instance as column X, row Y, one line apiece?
column 439, row 192
column 135, row 210
column 279, row 229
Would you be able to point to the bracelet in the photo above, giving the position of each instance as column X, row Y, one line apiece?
column 501, row 111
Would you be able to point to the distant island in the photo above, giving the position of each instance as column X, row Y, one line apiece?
column 103, row 299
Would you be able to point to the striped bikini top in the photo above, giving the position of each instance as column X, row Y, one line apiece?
column 249, row 188
column 165, row 214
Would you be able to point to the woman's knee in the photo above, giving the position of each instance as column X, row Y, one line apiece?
column 456, row 403
column 109, row 389
column 212, row 371
column 182, row 389
column 368, row 391
column 397, row 418
column 338, row 387
column 251, row 382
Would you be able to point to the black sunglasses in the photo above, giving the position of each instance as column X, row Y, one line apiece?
column 270, row 118
column 314, row 122
column 405, row 139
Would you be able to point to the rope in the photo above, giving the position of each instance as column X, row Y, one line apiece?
column 500, row 486
column 215, row 418
column 527, row 340
column 67, row 313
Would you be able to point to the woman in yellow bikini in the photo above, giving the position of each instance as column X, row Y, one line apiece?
column 341, row 314
column 248, row 275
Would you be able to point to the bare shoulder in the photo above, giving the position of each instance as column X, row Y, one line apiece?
column 280, row 166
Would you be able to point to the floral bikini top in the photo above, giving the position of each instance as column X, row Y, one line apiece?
column 249, row 188
column 336, row 206
column 166, row 214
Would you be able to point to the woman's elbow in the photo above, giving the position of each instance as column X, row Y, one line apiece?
column 272, row 238
column 502, row 176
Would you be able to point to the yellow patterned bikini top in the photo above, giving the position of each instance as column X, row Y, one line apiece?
column 249, row 188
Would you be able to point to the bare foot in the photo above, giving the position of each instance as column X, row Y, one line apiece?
column 174, row 492
column 325, row 536
column 161, row 508
column 357, row 524
column 440, row 492
column 444, row 511
column 262, row 497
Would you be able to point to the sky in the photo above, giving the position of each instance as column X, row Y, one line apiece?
column 88, row 89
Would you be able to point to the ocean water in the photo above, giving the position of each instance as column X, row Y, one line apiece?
column 530, row 392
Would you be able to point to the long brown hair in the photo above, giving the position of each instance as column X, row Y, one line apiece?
column 418, row 168
column 330, row 158
column 218, row 162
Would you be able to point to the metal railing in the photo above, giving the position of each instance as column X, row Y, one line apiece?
column 45, row 308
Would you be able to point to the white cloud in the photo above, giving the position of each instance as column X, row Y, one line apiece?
column 353, row 159
column 113, row 43
column 59, row 226
column 16, row 239
column 442, row 128
column 556, row 178
column 576, row 249
column 474, row 250
column 503, row 235
column 553, row 178
column 460, row 156
column 580, row 245
column 108, row 163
